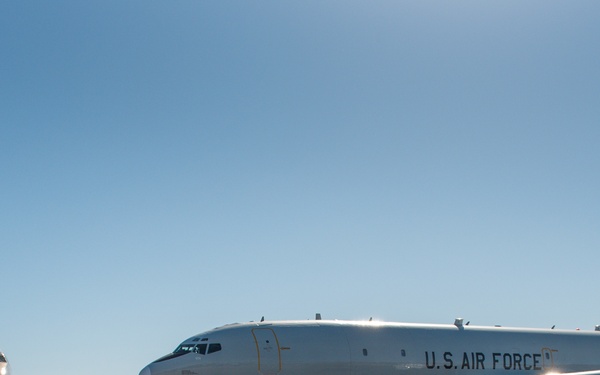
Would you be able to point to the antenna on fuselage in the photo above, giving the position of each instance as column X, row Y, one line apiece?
column 262, row 319
column 553, row 326
column 318, row 316
column 458, row 322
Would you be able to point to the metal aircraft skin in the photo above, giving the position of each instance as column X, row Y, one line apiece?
column 331, row 347
column 4, row 365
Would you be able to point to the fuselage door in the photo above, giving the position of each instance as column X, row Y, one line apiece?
column 267, row 346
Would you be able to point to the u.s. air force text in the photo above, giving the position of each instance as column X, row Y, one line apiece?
column 483, row 361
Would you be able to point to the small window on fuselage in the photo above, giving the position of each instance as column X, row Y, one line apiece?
column 213, row 348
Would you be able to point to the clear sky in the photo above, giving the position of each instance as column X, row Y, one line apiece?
column 171, row 166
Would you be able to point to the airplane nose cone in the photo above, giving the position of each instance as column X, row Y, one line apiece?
column 146, row 371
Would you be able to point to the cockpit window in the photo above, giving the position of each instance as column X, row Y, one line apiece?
column 2, row 358
column 200, row 349
column 184, row 348
column 197, row 348
column 213, row 348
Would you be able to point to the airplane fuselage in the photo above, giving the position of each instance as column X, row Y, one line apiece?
column 376, row 348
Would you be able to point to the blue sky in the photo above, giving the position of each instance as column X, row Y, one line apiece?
column 169, row 167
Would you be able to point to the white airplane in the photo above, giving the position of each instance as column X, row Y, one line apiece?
column 321, row 347
column 4, row 365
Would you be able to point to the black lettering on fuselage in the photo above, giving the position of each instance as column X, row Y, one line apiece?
column 476, row 361
column 448, row 359
column 427, row 363
column 517, row 361
column 480, row 359
column 465, row 362
column 495, row 360
column 507, row 361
